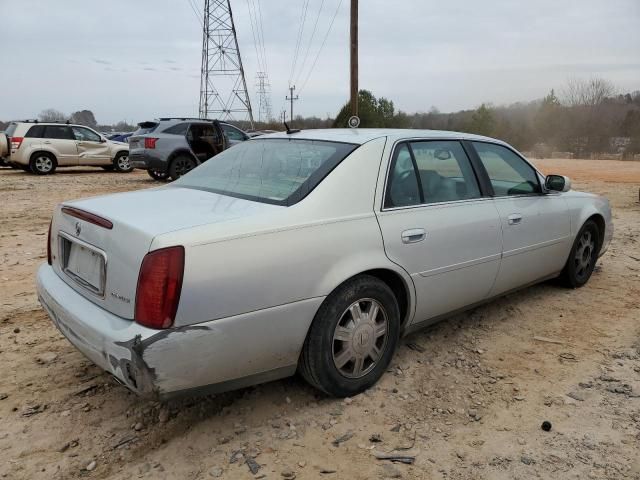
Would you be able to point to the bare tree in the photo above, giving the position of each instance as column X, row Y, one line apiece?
column 52, row 115
column 588, row 93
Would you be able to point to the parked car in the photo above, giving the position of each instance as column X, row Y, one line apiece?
column 120, row 137
column 42, row 147
column 170, row 147
column 312, row 251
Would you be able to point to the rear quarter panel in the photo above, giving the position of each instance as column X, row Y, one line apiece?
column 300, row 252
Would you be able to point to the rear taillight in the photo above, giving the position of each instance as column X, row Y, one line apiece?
column 49, row 245
column 16, row 142
column 150, row 142
column 159, row 286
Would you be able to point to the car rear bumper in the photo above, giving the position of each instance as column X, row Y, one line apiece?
column 213, row 356
column 147, row 162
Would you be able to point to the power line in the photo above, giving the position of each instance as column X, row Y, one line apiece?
column 313, row 33
column 303, row 17
column 196, row 13
column 264, row 50
column 256, row 43
column 321, row 47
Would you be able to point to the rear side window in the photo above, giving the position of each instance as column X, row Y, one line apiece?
column 60, row 132
column 509, row 174
column 36, row 131
column 433, row 171
column 233, row 133
column 145, row 127
column 179, row 129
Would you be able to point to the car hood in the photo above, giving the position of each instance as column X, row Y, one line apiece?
column 119, row 144
column 167, row 209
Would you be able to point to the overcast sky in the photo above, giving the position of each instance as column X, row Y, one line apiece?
column 136, row 60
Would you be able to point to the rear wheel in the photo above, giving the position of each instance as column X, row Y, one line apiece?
column 158, row 175
column 583, row 256
column 42, row 163
column 181, row 165
column 352, row 338
column 121, row 162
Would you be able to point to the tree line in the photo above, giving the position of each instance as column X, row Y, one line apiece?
column 587, row 116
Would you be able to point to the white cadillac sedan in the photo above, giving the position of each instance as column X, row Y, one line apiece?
column 310, row 251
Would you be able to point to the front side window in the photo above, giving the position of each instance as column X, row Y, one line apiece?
column 85, row 135
column 509, row 174
column 232, row 132
column 60, row 132
column 277, row 171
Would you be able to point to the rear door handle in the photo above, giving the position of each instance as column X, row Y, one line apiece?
column 514, row 219
column 413, row 235
column 47, row 142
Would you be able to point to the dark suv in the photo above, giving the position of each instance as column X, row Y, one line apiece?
column 170, row 147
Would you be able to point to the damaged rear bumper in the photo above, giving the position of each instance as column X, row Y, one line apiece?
column 111, row 342
column 209, row 357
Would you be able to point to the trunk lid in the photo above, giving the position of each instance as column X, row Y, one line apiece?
column 102, row 264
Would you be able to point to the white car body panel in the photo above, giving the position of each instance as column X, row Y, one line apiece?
column 255, row 273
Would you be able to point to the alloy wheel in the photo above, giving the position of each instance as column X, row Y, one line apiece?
column 360, row 338
column 583, row 258
column 123, row 162
column 43, row 164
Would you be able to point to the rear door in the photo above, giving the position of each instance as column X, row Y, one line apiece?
column 535, row 226
column 439, row 226
column 92, row 149
column 60, row 140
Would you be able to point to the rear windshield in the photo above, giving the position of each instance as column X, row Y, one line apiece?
column 10, row 129
column 280, row 171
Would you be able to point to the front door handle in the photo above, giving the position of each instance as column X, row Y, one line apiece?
column 413, row 235
column 47, row 142
column 514, row 219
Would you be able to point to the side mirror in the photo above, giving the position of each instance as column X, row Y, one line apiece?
column 557, row 183
column 103, row 140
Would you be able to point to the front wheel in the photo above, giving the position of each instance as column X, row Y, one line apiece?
column 352, row 338
column 121, row 163
column 583, row 256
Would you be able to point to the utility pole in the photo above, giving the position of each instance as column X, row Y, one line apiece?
column 354, row 57
column 291, row 98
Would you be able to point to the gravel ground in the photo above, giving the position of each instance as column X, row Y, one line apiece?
column 464, row 399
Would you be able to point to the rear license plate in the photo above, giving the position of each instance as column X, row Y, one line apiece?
column 83, row 264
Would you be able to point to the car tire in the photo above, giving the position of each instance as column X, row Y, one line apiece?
column 346, row 351
column 180, row 165
column 121, row 163
column 42, row 163
column 583, row 256
column 158, row 175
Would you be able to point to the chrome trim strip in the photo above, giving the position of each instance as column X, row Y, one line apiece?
column 458, row 266
column 536, row 246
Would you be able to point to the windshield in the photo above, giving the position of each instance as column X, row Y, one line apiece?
column 281, row 171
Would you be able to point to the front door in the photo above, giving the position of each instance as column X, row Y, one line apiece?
column 439, row 227
column 92, row 149
column 535, row 226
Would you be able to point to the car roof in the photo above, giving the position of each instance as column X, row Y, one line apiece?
column 362, row 135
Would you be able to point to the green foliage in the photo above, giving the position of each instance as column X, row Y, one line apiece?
column 373, row 112
column 482, row 121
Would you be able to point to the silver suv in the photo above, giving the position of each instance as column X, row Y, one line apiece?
column 42, row 147
column 170, row 147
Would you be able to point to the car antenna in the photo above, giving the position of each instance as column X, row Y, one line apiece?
column 290, row 130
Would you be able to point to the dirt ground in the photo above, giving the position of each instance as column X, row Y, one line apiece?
column 465, row 398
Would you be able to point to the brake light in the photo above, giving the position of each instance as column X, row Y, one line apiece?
column 49, row 244
column 150, row 142
column 16, row 142
column 159, row 287
column 88, row 217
